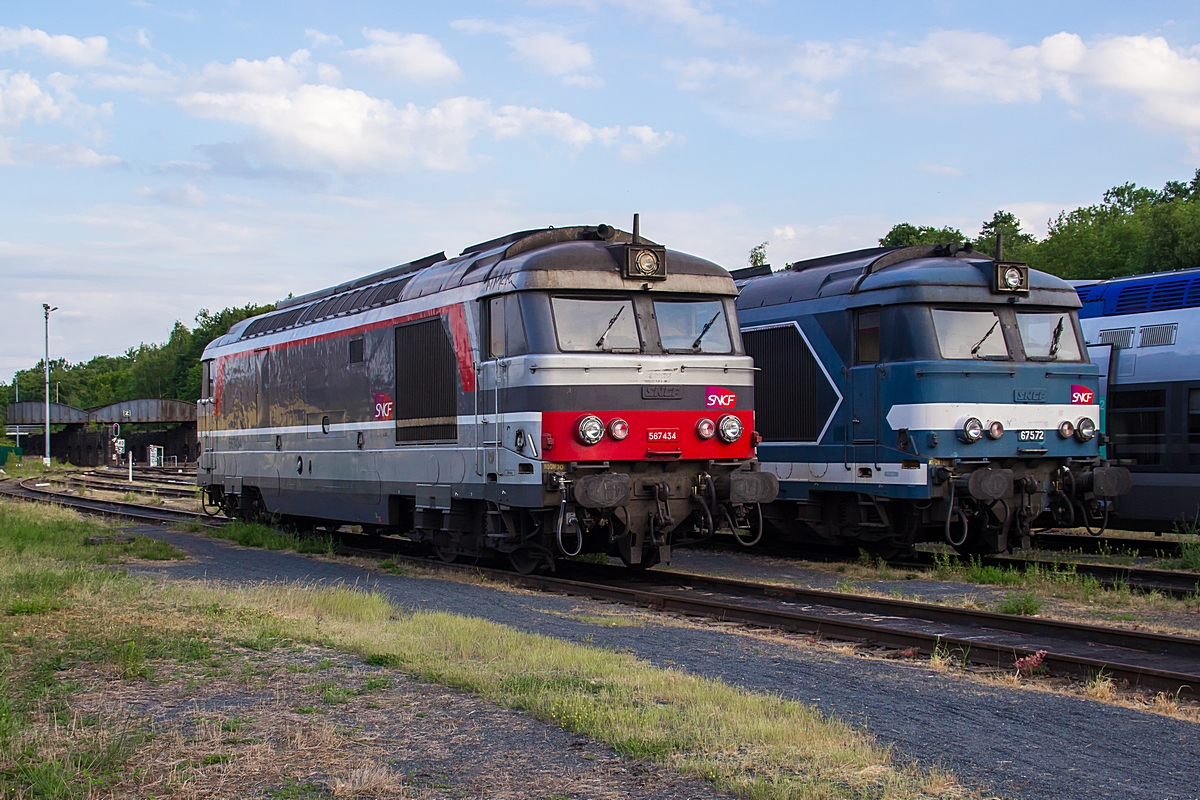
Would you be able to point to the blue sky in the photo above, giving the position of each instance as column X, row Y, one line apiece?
column 158, row 157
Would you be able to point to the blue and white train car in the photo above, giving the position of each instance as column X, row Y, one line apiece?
column 1144, row 332
column 923, row 393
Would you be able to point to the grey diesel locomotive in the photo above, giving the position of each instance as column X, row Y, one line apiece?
column 548, row 393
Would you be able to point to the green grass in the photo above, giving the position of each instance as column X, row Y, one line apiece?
column 251, row 534
column 1189, row 556
column 1023, row 603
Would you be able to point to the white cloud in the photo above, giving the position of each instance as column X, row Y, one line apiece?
column 408, row 57
column 320, row 39
column 79, row 52
column 16, row 152
column 979, row 68
column 550, row 52
column 186, row 196
column 320, row 126
column 742, row 91
column 940, row 169
column 22, row 98
column 328, row 73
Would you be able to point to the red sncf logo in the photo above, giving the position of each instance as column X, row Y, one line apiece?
column 719, row 397
column 1082, row 395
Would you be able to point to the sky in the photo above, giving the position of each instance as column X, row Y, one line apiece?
column 158, row 158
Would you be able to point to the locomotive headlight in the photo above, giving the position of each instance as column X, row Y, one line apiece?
column 589, row 430
column 1066, row 429
column 1085, row 431
column 730, row 428
column 646, row 262
column 972, row 430
column 618, row 429
column 705, row 429
column 1012, row 278
column 996, row 429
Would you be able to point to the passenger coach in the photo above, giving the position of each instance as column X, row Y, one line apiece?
column 544, row 394
column 924, row 393
column 1144, row 333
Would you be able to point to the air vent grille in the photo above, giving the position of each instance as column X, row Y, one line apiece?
column 1158, row 335
column 1120, row 338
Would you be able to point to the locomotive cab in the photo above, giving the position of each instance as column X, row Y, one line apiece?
column 952, row 399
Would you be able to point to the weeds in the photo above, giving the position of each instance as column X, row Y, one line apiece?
column 1024, row 604
column 1101, row 687
column 251, row 534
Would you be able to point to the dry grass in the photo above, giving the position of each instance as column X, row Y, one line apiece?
column 136, row 632
column 752, row 744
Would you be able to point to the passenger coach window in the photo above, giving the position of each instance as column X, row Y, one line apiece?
column 868, row 337
column 596, row 325
column 1137, row 426
column 1049, row 337
column 1194, row 427
column 692, row 326
column 969, row 334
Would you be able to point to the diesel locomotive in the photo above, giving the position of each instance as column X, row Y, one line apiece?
column 544, row 394
column 924, row 393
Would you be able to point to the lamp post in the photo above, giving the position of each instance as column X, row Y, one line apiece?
column 46, row 362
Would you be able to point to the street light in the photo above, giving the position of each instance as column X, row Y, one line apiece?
column 46, row 362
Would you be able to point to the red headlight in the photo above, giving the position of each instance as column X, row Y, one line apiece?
column 705, row 429
column 618, row 429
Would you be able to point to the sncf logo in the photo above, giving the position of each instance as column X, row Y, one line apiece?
column 383, row 406
column 719, row 397
column 1082, row 395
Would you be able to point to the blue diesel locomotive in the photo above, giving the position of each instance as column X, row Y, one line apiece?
column 923, row 393
column 1144, row 333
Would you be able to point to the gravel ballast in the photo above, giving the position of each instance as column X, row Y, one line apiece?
column 1017, row 743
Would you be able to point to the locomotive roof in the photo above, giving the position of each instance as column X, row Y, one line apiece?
column 1137, row 294
column 578, row 258
column 880, row 275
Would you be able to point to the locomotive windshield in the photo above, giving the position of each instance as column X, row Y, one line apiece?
column 595, row 325
column 692, row 326
column 1049, row 337
column 969, row 334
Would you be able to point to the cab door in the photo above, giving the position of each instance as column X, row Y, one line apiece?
column 205, row 416
column 864, row 387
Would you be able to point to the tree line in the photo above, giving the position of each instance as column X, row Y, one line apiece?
column 168, row 370
column 1132, row 230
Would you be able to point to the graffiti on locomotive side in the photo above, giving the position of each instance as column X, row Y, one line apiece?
column 384, row 407
column 719, row 397
column 1082, row 395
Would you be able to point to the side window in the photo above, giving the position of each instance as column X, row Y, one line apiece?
column 506, row 327
column 206, row 380
column 496, row 327
column 867, row 347
column 356, row 351
column 1193, row 422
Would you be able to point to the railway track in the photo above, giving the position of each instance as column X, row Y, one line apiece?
column 29, row 490
column 140, row 488
column 1157, row 662
column 1105, row 545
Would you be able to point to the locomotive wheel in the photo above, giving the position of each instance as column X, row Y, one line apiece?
column 524, row 560
column 650, row 558
column 446, row 554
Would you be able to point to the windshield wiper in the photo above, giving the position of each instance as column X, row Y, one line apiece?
column 704, row 330
column 1058, row 332
column 611, row 322
column 979, row 344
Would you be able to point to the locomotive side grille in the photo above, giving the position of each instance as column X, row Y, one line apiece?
column 1169, row 294
column 1158, row 335
column 426, row 383
column 1119, row 338
column 785, row 385
column 1133, row 299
